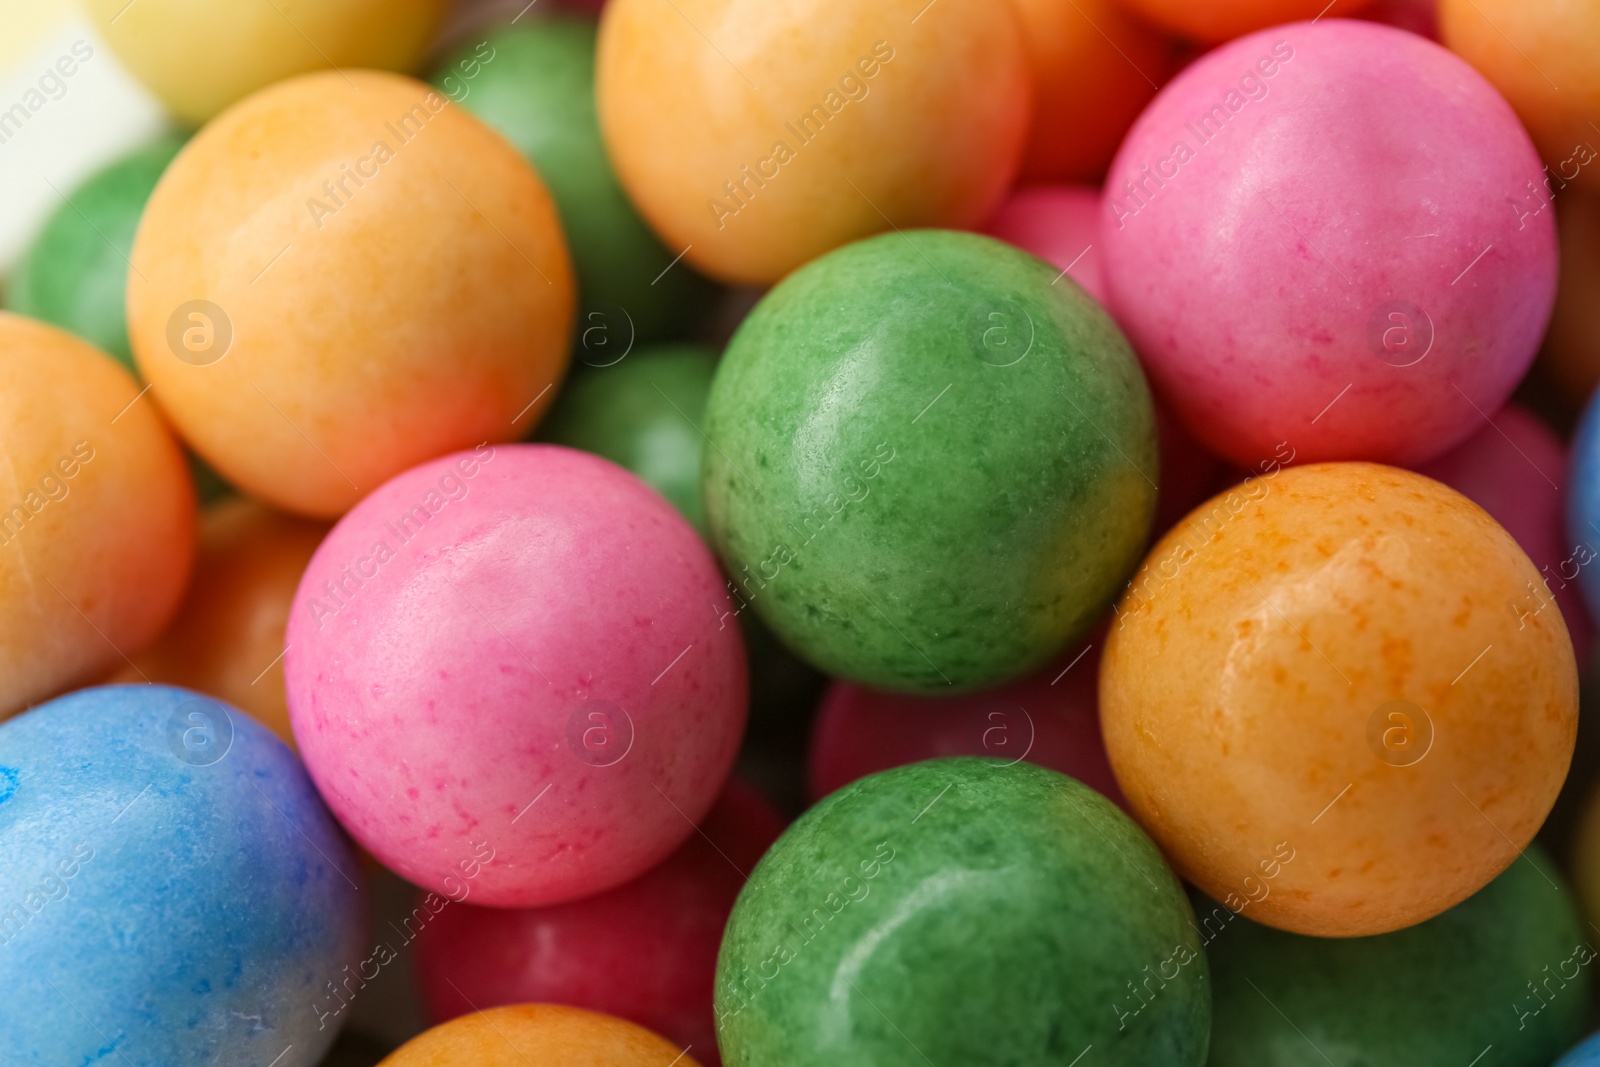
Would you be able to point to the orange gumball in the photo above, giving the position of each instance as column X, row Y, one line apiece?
column 538, row 1034
column 96, row 514
column 1095, row 68
column 227, row 638
column 342, row 276
column 756, row 136
column 1335, row 699
column 1541, row 56
column 1215, row 21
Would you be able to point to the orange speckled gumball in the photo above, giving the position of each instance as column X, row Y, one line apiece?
column 538, row 1034
column 1541, row 56
column 758, row 136
column 96, row 514
column 1094, row 68
column 227, row 638
column 343, row 276
column 1215, row 21
column 1333, row 698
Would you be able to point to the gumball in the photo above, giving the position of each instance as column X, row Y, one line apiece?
column 1514, row 469
column 539, row 1034
column 755, row 136
column 1095, row 67
column 1282, row 287
column 524, row 643
column 1420, row 17
column 1585, row 1055
column 344, row 276
column 1345, row 662
column 175, row 891
column 1058, row 223
column 929, row 468
column 643, row 413
column 645, row 952
column 900, row 917
column 1508, row 968
column 1541, row 56
column 199, row 58
column 96, row 521
column 1050, row 718
column 1219, row 20
column 1571, row 356
column 227, row 638
column 534, row 83
column 76, row 274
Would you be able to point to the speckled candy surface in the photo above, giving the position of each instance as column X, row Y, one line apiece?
column 965, row 909
column 506, row 674
column 174, row 891
column 539, row 1034
column 1293, row 263
column 930, row 467
column 1508, row 968
column 1341, row 660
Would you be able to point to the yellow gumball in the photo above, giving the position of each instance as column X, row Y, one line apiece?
column 96, row 514
column 199, row 56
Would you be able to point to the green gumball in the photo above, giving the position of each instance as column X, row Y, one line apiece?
column 932, row 461
column 643, row 414
column 1510, row 968
column 534, row 83
column 962, row 911
column 76, row 273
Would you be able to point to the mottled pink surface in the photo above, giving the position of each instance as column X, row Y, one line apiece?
column 1356, row 191
column 1058, row 223
column 442, row 676
column 645, row 951
column 1516, row 470
column 1050, row 718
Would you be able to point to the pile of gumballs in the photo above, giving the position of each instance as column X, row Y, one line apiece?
column 870, row 532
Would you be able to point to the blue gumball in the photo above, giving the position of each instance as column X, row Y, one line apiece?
column 172, row 891
column 1587, row 1054
column 1583, row 504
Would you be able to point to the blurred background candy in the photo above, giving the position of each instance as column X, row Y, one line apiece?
column 1218, row 20
column 904, row 480
column 286, row 359
column 1571, row 356
column 524, row 643
column 792, row 131
column 176, row 892
column 539, row 1034
column 1585, row 1055
column 1349, row 662
column 1583, row 506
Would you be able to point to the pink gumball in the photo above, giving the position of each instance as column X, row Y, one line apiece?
column 1051, row 718
column 1058, row 223
column 506, row 675
column 1516, row 470
column 1326, row 236
column 645, row 951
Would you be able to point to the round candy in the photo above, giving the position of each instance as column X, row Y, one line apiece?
column 900, row 917
column 227, row 638
column 1095, row 67
column 524, row 644
column 1515, row 468
column 1218, row 20
column 174, row 890
column 199, row 58
column 1541, row 56
column 1507, row 968
column 1282, row 287
column 342, row 277
column 1050, row 718
column 1344, row 661
column 645, row 951
column 1420, row 17
column 1571, row 355
column 930, row 468
column 643, row 413
column 76, row 274
column 541, row 1034
column 1585, row 1055
column 1059, row 224
column 96, row 518
column 534, row 83
column 755, row 136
